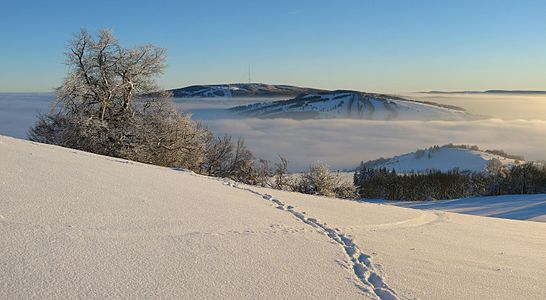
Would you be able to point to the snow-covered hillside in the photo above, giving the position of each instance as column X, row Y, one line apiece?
column 516, row 207
column 443, row 159
column 353, row 105
column 241, row 90
column 79, row 225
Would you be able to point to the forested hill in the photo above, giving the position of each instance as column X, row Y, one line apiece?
column 242, row 90
column 352, row 105
column 445, row 158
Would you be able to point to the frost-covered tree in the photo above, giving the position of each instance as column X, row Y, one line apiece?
column 100, row 106
column 264, row 173
column 318, row 180
column 224, row 158
column 281, row 180
column 345, row 190
column 219, row 155
column 494, row 166
column 242, row 165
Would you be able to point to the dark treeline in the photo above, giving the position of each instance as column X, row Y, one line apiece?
column 528, row 178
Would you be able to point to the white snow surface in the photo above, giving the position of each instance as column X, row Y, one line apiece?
column 442, row 159
column 515, row 207
column 79, row 225
column 352, row 105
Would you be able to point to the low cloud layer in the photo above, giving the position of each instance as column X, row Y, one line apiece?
column 340, row 143
column 344, row 143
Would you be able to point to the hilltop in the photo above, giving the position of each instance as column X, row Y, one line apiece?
column 444, row 158
column 241, row 90
column 353, row 105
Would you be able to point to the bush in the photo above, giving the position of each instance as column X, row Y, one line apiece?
column 319, row 180
column 224, row 158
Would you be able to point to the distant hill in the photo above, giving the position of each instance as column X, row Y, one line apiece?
column 242, row 90
column 490, row 92
column 353, row 105
column 444, row 158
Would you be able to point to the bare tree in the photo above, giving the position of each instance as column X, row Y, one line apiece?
column 218, row 155
column 263, row 173
column 100, row 106
column 241, row 166
column 104, row 77
column 281, row 179
column 226, row 159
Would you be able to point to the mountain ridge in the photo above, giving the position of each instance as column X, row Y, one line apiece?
column 241, row 90
column 530, row 92
column 353, row 105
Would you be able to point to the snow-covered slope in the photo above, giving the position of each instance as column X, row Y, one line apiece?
column 241, row 90
column 516, row 207
column 439, row 255
column 78, row 225
column 354, row 105
column 443, row 159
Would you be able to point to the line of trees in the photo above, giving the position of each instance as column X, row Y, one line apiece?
column 384, row 184
column 527, row 178
column 317, row 180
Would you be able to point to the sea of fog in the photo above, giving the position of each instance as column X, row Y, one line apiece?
column 507, row 107
column 515, row 123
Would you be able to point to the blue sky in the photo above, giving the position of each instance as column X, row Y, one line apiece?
column 382, row 46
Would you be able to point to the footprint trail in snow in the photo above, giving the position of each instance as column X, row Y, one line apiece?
column 369, row 279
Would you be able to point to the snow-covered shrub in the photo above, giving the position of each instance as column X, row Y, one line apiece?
column 345, row 190
column 319, row 180
column 281, row 179
column 224, row 158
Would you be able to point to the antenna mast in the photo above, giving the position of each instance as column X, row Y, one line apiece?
column 249, row 79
